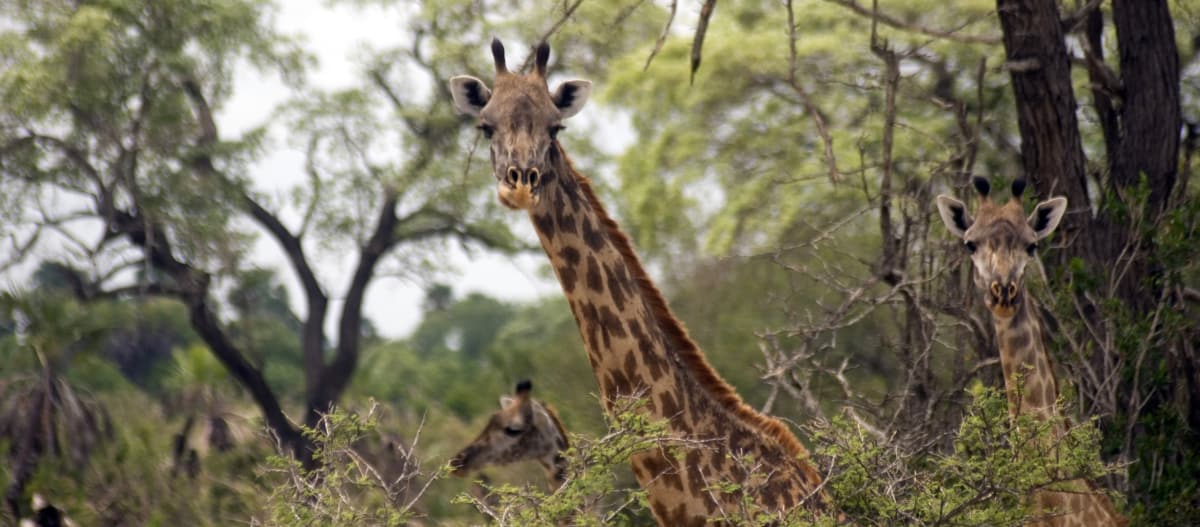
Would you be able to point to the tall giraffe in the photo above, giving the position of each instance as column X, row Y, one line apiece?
column 523, row 428
column 636, row 346
column 1002, row 241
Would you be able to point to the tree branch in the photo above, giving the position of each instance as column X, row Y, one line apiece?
column 896, row 23
column 313, row 338
column 334, row 378
column 809, row 106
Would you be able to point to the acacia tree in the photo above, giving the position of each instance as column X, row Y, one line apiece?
column 113, row 160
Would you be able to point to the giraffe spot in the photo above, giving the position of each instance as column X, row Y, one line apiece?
column 660, row 512
column 1018, row 340
column 592, row 236
column 695, row 479
column 739, row 441
column 669, row 405
column 621, row 383
column 654, row 465
column 593, row 275
column 716, row 459
column 564, row 207
column 615, row 288
column 611, row 323
column 769, row 495
column 568, row 278
column 570, row 255
column 638, row 472
column 590, row 319
column 566, row 222
column 544, row 223
column 610, row 388
column 630, row 364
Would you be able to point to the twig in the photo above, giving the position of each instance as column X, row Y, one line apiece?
column 936, row 33
column 810, row 107
column 662, row 37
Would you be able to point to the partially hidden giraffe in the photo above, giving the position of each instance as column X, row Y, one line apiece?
column 523, row 429
column 636, row 346
column 1002, row 241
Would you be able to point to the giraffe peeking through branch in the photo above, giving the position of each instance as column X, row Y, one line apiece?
column 1002, row 241
column 523, row 429
column 636, row 346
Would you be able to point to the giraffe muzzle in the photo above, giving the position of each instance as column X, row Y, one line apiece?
column 1003, row 298
column 518, row 189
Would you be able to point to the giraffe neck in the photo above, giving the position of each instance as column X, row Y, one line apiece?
column 637, row 348
column 1033, row 389
column 1028, row 371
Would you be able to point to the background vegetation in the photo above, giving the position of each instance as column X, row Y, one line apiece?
column 153, row 373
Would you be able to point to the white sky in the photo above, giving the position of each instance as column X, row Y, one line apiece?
column 337, row 35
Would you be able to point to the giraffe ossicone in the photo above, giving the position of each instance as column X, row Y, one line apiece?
column 635, row 345
column 1002, row 240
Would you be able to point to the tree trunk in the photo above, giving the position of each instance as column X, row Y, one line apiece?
column 1148, row 145
column 1051, row 152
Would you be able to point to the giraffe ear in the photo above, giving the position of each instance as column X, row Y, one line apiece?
column 470, row 94
column 954, row 215
column 570, row 96
column 1046, row 216
column 506, row 401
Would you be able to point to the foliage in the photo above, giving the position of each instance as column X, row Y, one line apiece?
column 996, row 462
column 1143, row 348
column 346, row 490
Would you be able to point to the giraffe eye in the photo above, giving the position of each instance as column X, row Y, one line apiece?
column 513, row 431
column 554, row 130
column 487, row 130
column 1031, row 249
column 970, row 246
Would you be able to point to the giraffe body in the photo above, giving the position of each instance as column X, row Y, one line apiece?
column 635, row 345
column 1002, row 241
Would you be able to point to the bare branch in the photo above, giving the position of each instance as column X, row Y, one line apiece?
column 810, row 107
column 894, row 22
column 570, row 10
column 662, row 37
column 706, row 13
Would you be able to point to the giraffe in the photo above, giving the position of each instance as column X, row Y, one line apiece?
column 523, row 428
column 1001, row 241
column 635, row 345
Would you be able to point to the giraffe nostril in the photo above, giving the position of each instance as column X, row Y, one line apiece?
column 514, row 175
column 533, row 175
column 997, row 291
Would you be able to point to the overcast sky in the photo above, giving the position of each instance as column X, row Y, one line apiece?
column 337, row 36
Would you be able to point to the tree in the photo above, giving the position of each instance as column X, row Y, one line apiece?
column 110, row 108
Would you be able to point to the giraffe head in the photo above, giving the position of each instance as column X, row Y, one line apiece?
column 1001, row 240
column 521, row 117
column 522, row 429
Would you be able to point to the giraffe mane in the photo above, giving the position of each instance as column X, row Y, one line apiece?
column 562, row 431
column 694, row 360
